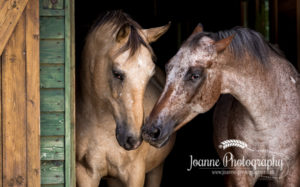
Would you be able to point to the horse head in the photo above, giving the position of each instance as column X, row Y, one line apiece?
column 120, row 71
column 193, row 86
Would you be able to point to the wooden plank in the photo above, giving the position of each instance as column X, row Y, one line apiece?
column 52, row 148
column 274, row 21
column 52, row 100
column 1, row 133
column 52, row 172
column 244, row 13
column 50, row 12
column 52, row 76
column 10, row 13
column 53, row 185
column 52, row 27
column 52, row 124
column 52, row 51
column 70, row 93
column 14, row 108
column 33, row 93
column 53, row 4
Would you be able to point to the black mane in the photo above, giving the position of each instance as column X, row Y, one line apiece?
column 245, row 41
column 122, row 20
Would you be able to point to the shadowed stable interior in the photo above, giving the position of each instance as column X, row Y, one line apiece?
column 196, row 137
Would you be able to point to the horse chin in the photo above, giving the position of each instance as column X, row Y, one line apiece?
column 160, row 143
column 137, row 145
column 129, row 147
column 128, row 144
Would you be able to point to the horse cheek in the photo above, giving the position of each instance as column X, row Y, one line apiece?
column 211, row 94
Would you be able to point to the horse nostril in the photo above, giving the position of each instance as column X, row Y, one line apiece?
column 155, row 133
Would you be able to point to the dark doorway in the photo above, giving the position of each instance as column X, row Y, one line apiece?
column 196, row 137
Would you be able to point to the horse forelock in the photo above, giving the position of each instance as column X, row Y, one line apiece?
column 116, row 20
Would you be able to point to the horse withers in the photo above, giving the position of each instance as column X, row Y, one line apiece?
column 119, row 85
column 260, row 108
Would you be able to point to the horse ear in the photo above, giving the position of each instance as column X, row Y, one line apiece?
column 222, row 44
column 154, row 33
column 123, row 33
column 197, row 29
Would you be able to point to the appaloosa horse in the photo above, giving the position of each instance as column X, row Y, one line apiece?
column 119, row 86
column 261, row 108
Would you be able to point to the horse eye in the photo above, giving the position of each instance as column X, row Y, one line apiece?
column 194, row 76
column 118, row 75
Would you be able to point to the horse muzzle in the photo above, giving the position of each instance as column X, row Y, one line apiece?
column 127, row 140
column 156, row 135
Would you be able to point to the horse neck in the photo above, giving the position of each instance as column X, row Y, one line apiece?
column 267, row 91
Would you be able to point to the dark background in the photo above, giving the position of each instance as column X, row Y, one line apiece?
column 196, row 137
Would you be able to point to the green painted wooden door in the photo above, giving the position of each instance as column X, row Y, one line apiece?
column 57, row 92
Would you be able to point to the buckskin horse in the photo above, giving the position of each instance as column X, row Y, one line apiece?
column 119, row 85
column 260, row 105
